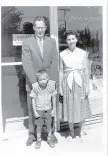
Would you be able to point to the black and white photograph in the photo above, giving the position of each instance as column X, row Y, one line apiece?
column 52, row 79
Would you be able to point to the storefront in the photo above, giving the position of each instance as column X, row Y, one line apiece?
column 13, row 109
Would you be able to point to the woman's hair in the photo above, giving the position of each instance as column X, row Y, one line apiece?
column 39, row 18
column 41, row 72
column 71, row 32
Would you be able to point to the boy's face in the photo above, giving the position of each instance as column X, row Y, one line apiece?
column 43, row 80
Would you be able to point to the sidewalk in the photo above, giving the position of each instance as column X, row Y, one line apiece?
column 93, row 141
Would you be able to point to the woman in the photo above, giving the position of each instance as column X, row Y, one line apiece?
column 74, row 84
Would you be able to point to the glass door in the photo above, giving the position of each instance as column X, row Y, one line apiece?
column 17, row 21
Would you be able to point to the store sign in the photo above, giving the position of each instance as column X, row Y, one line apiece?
column 19, row 38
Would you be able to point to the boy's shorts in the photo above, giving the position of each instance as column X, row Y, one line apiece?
column 45, row 118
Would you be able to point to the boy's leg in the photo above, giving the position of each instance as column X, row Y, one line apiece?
column 39, row 127
column 39, row 122
column 48, row 121
column 54, row 139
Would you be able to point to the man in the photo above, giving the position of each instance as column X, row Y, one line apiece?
column 38, row 52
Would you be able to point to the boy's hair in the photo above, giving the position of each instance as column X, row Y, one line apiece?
column 39, row 18
column 41, row 72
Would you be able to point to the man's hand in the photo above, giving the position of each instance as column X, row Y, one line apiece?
column 33, row 85
column 94, row 86
column 52, row 113
column 52, row 86
column 36, row 114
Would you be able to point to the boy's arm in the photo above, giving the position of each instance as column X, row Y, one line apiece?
column 53, row 112
column 34, row 108
column 54, row 104
column 53, row 97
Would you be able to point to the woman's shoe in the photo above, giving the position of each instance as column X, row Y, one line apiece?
column 81, row 137
column 70, row 137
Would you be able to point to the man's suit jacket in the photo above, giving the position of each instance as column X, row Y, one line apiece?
column 32, row 59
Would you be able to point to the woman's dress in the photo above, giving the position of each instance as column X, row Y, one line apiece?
column 76, row 107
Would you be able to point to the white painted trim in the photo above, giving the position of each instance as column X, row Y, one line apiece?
column 54, row 23
column 53, row 12
column 11, row 63
column 1, row 122
column 16, row 119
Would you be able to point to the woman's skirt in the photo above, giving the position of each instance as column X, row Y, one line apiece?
column 75, row 109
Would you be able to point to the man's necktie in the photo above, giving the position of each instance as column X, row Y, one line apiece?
column 41, row 47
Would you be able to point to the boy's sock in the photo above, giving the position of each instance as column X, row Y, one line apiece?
column 38, row 142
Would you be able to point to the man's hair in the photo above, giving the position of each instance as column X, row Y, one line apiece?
column 41, row 72
column 71, row 32
column 39, row 18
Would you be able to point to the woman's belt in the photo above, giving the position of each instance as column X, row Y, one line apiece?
column 75, row 75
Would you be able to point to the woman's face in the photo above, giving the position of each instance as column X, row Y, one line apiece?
column 71, row 41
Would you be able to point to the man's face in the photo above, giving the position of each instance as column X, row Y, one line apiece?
column 39, row 29
column 71, row 40
column 43, row 80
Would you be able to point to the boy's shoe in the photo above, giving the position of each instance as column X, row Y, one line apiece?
column 50, row 143
column 38, row 144
column 29, row 141
column 54, row 139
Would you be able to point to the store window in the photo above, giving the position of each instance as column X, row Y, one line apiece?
column 89, row 28
column 17, row 21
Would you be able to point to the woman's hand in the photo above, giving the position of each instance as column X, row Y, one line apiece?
column 60, row 90
column 52, row 113
column 94, row 86
column 87, row 91
column 60, row 98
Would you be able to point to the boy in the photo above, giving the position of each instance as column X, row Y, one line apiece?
column 43, row 103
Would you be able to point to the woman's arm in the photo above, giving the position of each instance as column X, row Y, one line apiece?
column 86, row 72
column 60, row 76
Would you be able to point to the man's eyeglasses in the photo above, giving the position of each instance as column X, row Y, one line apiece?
column 40, row 28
